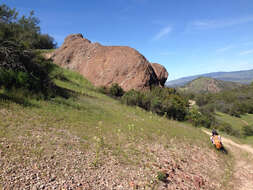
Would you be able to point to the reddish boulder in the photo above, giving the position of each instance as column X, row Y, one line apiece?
column 160, row 72
column 105, row 65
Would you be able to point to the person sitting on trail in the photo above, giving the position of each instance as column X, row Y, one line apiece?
column 216, row 139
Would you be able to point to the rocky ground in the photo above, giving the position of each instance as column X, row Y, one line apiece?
column 51, row 158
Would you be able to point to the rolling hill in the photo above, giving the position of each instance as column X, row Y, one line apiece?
column 244, row 77
column 208, row 85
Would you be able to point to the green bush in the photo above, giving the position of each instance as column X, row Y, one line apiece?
column 222, row 106
column 11, row 79
column 145, row 101
column 203, row 99
column 156, row 105
column 161, row 176
column 132, row 98
column 175, row 107
column 162, row 101
column 227, row 128
column 247, row 130
column 233, row 102
column 103, row 90
column 21, row 66
column 116, row 91
column 27, row 69
column 234, row 111
column 199, row 119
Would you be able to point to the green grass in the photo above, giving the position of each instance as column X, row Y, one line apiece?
column 90, row 114
column 100, row 122
column 237, row 124
column 248, row 118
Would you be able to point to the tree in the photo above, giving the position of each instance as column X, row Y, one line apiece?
column 20, row 65
column 7, row 15
column 23, row 30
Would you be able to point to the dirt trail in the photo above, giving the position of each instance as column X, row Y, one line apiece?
column 243, row 169
column 245, row 122
column 245, row 147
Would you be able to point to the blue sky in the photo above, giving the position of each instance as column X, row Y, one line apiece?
column 188, row 37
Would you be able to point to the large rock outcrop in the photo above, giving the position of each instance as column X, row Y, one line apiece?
column 105, row 65
column 160, row 72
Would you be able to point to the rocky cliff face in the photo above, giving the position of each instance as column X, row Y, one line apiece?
column 105, row 65
column 160, row 72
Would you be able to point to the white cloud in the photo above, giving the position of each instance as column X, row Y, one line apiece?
column 162, row 33
column 221, row 23
column 246, row 52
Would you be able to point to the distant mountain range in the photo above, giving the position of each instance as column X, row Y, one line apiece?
column 244, row 77
column 208, row 85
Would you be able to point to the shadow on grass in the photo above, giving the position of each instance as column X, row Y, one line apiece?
column 23, row 97
column 70, row 104
column 4, row 98
column 69, row 98
column 64, row 92
column 63, row 78
column 67, row 93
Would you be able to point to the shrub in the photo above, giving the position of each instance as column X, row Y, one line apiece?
column 199, row 119
column 234, row 111
column 156, row 105
column 20, row 65
column 175, row 107
column 159, row 100
column 161, row 176
column 222, row 106
column 26, row 69
column 227, row 128
column 145, row 101
column 247, row 130
column 193, row 116
column 132, row 98
column 116, row 91
column 207, row 109
column 10, row 79
column 103, row 90
column 203, row 99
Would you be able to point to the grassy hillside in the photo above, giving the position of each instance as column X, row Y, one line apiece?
column 244, row 77
column 91, row 141
column 238, row 123
column 208, row 85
